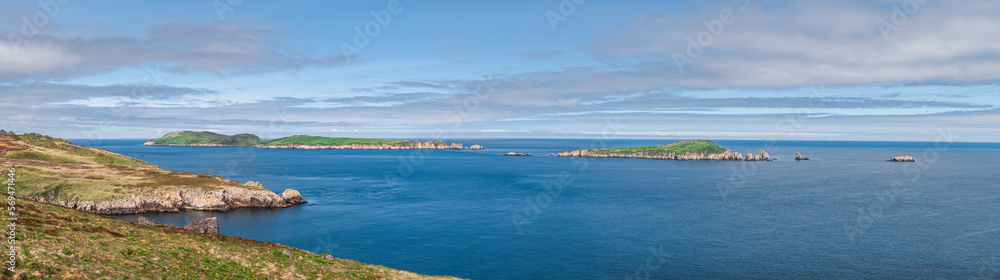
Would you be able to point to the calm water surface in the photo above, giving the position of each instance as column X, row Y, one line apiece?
column 847, row 213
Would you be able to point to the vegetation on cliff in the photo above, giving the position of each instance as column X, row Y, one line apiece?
column 697, row 147
column 681, row 150
column 206, row 137
column 55, row 170
column 59, row 243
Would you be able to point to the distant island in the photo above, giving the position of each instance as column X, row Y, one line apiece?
column 211, row 139
column 99, row 181
column 681, row 150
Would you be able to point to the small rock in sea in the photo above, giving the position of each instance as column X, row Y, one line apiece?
column 206, row 225
column 287, row 252
column 799, row 156
column 902, row 158
column 148, row 222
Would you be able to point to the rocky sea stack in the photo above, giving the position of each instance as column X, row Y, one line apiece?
column 902, row 158
column 799, row 156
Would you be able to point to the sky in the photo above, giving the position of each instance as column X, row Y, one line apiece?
column 910, row 70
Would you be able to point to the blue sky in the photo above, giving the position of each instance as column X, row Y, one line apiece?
column 786, row 70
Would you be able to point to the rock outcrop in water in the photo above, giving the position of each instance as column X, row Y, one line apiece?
column 291, row 196
column 476, row 147
column 513, row 154
column 207, row 225
column 902, row 158
column 799, row 156
column 221, row 199
column 727, row 155
column 761, row 156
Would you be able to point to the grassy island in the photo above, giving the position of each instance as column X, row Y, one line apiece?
column 681, row 150
column 211, row 139
column 697, row 147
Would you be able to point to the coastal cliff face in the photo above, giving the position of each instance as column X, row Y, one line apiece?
column 221, row 199
column 728, row 155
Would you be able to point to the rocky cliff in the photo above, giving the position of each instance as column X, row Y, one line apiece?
column 146, row 200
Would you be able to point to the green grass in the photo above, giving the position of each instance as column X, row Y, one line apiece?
column 206, row 137
column 681, row 147
column 32, row 155
column 318, row 140
column 61, row 243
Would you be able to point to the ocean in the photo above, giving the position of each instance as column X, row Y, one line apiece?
column 846, row 213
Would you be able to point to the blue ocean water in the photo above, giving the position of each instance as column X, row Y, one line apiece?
column 846, row 213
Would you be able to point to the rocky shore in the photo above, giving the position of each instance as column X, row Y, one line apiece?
column 726, row 156
column 221, row 199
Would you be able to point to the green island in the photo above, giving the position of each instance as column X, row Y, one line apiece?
column 212, row 139
column 680, row 150
column 61, row 188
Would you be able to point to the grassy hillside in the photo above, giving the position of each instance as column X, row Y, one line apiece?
column 55, row 168
column 205, row 137
column 53, row 242
column 681, row 147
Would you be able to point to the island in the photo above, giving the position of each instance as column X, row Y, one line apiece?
column 513, row 154
column 902, row 158
column 56, row 171
column 212, row 139
column 681, row 150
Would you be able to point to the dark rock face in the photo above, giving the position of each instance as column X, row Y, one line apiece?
column 902, row 158
column 148, row 222
column 206, row 225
